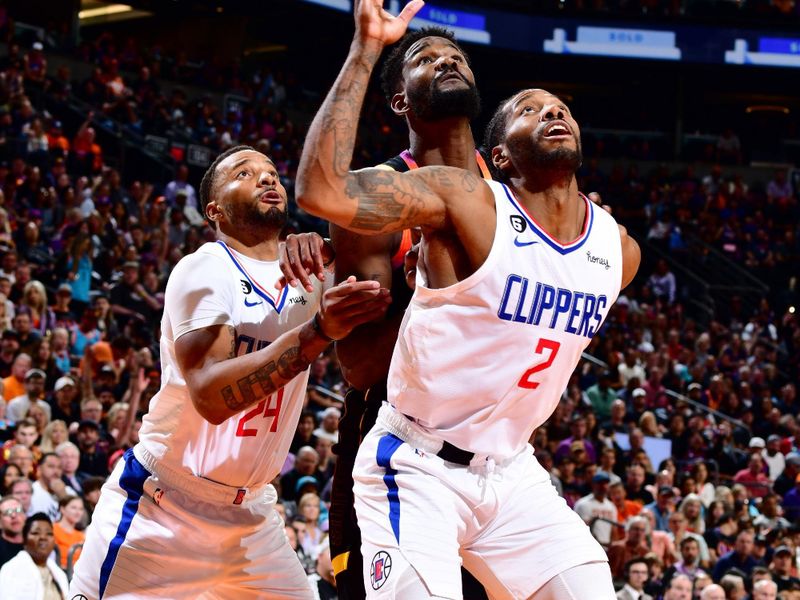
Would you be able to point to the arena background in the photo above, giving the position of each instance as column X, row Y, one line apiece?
column 689, row 116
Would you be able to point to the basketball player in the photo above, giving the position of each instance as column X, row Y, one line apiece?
column 513, row 281
column 438, row 117
column 189, row 513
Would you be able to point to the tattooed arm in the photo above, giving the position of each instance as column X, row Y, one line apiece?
column 222, row 384
column 372, row 201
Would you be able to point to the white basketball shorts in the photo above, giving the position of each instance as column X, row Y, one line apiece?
column 184, row 537
column 505, row 521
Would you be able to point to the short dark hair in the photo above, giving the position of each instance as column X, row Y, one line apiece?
column 207, row 183
column 634, row 561
column 494, row 135
column 47, row 455
column 40, row 516
column 392, row 70
column 688, row 540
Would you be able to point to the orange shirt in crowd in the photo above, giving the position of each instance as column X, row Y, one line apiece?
column 65, row 540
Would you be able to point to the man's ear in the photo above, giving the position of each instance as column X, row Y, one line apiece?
column 399, row 104
column 499, row 158
column 214, row 212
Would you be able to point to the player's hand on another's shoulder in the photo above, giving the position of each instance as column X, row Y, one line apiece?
column 373, row 23
column 350, row 304
column 301, row 256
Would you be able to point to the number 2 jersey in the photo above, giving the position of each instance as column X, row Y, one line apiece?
column 218, row 286
column 484, row 362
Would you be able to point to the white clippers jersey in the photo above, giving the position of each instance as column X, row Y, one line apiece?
column 484, row 362
column 218, row 286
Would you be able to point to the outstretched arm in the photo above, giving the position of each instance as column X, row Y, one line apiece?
column 371, row 201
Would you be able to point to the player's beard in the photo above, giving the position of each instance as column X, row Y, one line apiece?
column 433, row 104
column 250, row 216
column 527, row 152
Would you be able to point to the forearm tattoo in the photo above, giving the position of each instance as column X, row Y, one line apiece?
column 269, row 377
column 261, row 382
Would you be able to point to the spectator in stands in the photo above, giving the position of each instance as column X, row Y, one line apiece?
column 738, row 558
column 130, row 300
column 14, row 384
column 9, row 473
column 32, row 574
column 63, row 402
column 12, row 520
column 636, row 574
column 94, row 459
column 602, row 396
column 305, row 464
column 713, row 592
column 782, row 569
column 679, row 588
column 48, row 488
column 54, row 434
column 34, row 390
column 597, row 510
column 579, row 431
column 70, row 460
column 181, row 184
column 753, row 477
column 634, row 485
column 662, row 282
column 662, row 507
column 22, row 490
column 773, row 456
column 689, row 563
column 678, row 529
column 765, row 590
column 304, row 434
column 329, row 425
column 635, row 545
column 65, row 529
column 733, row 584
column 22, row 450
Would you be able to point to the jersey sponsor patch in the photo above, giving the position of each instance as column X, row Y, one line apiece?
column 518, row 223
column 380, row 569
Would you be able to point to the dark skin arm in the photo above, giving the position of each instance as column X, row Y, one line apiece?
column 222, row 384
column 365, row 354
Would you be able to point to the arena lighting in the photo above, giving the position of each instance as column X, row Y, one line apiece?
column 104, row 11
column 767, row 108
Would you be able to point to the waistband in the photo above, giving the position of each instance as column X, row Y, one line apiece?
column 408, row 431
column 201, row 488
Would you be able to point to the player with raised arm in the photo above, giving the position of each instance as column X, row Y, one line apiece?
column 189, row 512
column 427, row 80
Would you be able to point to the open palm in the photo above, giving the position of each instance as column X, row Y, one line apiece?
column 373, row 22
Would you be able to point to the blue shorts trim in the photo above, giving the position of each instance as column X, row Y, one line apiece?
column 132, row 481
column 387, row 446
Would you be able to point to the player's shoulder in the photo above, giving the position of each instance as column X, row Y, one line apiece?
column 209, row 260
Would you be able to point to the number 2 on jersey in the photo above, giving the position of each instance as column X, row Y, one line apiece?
column 549, row 346
column 265, row 408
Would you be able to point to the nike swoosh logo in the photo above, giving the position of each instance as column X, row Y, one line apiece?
column 248, row 304
column 519, row 244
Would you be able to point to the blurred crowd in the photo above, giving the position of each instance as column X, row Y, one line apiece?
column 678, row 442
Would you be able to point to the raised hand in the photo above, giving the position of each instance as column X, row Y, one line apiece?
column 350, row 304
column 300, row 257
column 373, row 23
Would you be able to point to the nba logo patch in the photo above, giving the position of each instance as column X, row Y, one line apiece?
column 518, row 223
column 157, row 495
column 380, row 569
column 240, row 494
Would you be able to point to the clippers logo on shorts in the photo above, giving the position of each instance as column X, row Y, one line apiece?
column 380, row 570
column 518, row 223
